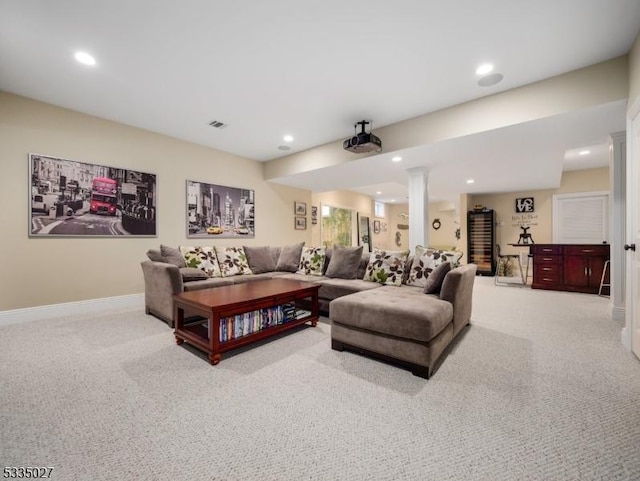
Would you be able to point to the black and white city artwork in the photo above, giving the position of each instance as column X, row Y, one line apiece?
column 218, row 211
column 70, row 198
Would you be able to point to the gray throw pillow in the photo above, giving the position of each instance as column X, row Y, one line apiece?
column 436, row 278
column 192, row 274
column 155, row 255
column 344, row 262
column 173, row 256
column 289, row 259
column 260, row 259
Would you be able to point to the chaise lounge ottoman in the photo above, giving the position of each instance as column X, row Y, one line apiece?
column 403, row 324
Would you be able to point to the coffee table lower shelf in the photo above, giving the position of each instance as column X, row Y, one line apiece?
column 205, row 333
column 197, row 336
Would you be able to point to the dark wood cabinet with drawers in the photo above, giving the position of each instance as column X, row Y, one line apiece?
column 569, row 267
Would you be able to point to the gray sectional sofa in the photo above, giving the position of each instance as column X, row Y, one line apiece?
column 396, row 322
column 162, row 279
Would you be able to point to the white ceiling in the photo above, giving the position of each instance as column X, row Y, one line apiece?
column 312, row 69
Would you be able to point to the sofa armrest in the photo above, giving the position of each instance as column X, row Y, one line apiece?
column 161, row 281
column 457, row 289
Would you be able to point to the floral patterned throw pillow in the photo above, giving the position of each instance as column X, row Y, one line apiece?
column 312, row 261
column 386, row 267
column 203, row 258
column 233, row 261
column 426, row 260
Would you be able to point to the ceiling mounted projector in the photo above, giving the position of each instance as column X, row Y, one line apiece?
column 362, row 142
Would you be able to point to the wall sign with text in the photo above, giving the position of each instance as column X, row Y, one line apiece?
column 524, row 204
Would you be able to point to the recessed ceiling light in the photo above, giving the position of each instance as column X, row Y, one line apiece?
column 84, row 58
column 393, row 200
column 378, row 193
column 288, row 138
column 470, row 181
column 397, row 158
column 584, row 152
column 484, row 69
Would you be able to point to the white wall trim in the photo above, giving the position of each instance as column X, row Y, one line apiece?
column 634, row 107
column 625, row 338
column 27, row 314
column 618, row 314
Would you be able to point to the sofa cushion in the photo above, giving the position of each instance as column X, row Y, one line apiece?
column 289, row 258
column 260, row 259
column 344, row 262
column 190, row 274
column 438, row 256
column 426, row 259
column 155, row 255
column 362, row 266
column 311, row 261
column 294, row 276
column 251, row 277
column 332, row 288
column 203, row 258
column 435, row 279
column 207, row 283
column 386, row 267
column 174, row 256
column 233, row 261
column 403, row 312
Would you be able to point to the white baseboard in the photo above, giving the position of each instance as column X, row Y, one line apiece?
column 618, row 314
column 70, row 308
column 626, row 339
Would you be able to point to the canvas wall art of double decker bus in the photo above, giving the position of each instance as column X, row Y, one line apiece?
column 75, row 199
column 104, row 196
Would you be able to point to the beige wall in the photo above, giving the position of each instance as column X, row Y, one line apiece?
column 41, row 271
column 634, row 73
column 541, row 221
column 449, row 220
column 392, row 220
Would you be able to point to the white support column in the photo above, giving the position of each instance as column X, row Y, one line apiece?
column 617, row 179
column 418, row 207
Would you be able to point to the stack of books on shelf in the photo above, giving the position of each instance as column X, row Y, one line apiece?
column 244, row 324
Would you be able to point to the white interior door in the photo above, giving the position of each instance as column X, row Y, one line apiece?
column 633, row 237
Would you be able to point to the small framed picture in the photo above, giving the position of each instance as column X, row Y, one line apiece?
column 376, row 227
column 301, row 223
column 300, row 208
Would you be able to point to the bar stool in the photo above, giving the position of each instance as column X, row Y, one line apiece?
column 604, row 273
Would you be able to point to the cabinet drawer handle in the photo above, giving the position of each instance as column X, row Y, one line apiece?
column 547, row 279
column 585, row 271
column 547, row 259
column 587, row 250
column 546, row 268
column 547, row 250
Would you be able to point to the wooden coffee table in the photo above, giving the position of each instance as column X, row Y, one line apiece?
column 231, row 316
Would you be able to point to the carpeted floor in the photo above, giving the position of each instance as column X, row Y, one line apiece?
column 538, row 388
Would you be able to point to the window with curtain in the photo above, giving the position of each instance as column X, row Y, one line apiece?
column 581, row 218
column 337, row 226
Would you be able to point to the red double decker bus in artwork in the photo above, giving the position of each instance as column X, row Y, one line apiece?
column 104, row 196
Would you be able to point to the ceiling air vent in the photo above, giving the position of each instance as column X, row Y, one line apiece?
column 218, row 125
